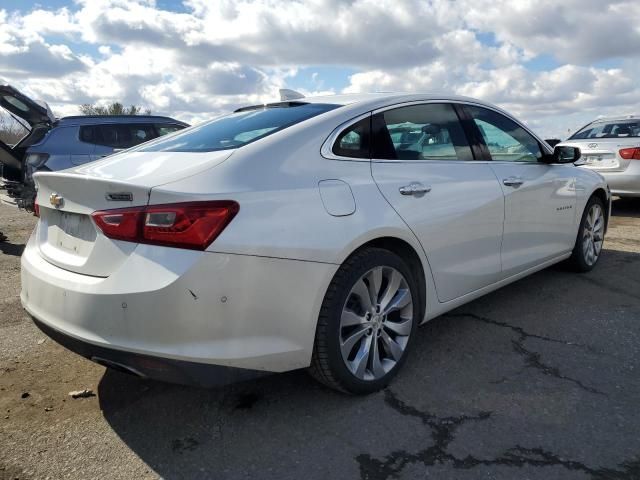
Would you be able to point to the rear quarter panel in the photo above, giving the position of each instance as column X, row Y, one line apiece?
column 275, row 181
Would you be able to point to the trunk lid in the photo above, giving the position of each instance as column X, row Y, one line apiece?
column 602, row 154
column 28, row 110
column 68, row 237
column 19, row 105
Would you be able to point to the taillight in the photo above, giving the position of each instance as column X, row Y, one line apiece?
column 630, row 153
column 36, row 208
column 193, row 225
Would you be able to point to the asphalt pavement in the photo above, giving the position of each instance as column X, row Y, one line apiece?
column 539, row 380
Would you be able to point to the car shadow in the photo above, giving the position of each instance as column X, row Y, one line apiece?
column 11, row 248
column 525, row 367
column 626, row 207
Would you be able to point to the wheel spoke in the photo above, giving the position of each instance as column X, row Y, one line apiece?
column 375, row 283
column 390, row 291
column 349, row 342
column 376, row 364
column 401, row 300
column 590, row 219
column 394, row 349
column 598, row 245
column 362, row 291
column 350, row 318
column 359, row 363
column 399, row 328
column 598, row 225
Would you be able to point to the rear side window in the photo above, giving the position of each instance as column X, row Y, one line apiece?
column 117, row 135
column 239, row 128
column 420, row 132
column 618, row 129
column 506, row 140
column 353, row 142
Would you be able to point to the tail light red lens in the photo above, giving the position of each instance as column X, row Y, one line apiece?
column 630, row 153
column 193, row 225
column 36, row 209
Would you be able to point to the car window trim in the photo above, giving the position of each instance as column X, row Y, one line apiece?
column 542, row 145
column 481, row 156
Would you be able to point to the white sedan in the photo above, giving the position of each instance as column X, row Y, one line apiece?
column 313, row 233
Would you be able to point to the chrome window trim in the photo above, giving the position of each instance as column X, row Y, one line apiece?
column 327, row 147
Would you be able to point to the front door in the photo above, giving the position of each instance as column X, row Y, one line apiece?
column 424, row 166
column 540, row 199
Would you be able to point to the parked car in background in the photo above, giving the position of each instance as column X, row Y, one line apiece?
column 611, row 147
column 57, row 144
column 317, row 233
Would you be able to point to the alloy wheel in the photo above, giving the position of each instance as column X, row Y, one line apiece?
column 593, row 234
column 376, row 322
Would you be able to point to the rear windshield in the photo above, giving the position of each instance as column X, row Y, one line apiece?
column 617, row 129
column 237, row 129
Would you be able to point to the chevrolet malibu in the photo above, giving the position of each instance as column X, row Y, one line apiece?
column 312, row 233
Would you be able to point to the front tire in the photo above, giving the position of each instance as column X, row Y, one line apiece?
column 367, row 323
column 588, row 247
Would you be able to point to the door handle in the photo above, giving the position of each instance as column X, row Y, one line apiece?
column 414, row 188
column 513, row 182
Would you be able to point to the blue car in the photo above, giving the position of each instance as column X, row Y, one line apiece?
column 56, row 144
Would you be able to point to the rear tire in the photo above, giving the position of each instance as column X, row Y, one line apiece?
column 366, row 324
column 588, row 246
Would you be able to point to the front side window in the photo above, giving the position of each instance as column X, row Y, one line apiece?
column 506, row 140
column 617, row 129
column 353, row 142
column 239, row 128
column 420, row 132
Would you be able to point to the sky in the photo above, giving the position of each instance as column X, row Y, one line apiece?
column 555, row 65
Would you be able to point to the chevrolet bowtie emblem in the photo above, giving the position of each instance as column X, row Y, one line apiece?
column 56, row 200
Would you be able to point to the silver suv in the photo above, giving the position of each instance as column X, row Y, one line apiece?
column 611, row 146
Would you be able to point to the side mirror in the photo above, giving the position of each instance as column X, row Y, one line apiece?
column 562, row 154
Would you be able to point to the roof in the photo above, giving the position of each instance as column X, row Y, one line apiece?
column 372, row 101
column 616, row 119
column 96, row 119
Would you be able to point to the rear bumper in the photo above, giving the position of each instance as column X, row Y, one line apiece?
column 624, row 184
column 156, row 368
column 212, row 309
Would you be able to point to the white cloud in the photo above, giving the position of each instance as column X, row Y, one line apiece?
column 217, row 55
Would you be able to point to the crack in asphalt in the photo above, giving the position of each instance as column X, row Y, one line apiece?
column 443, row 433
column 532, row 358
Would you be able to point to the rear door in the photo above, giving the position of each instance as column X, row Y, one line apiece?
column 540, row 199
column 426, row 169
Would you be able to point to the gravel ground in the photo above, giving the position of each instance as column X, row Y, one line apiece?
column 539, row 380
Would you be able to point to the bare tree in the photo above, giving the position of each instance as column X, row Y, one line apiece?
column 114, row 108
column 11, row 131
